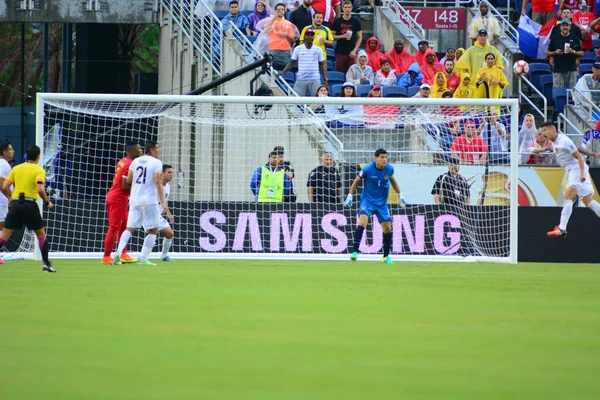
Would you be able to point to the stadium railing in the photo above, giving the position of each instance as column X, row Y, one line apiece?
column 524, row 98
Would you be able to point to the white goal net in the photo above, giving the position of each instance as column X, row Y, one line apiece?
column 220, row 145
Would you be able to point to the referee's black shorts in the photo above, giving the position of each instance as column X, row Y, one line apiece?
column 26, row 213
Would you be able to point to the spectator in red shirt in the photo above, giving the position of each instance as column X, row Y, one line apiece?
column 470, row 148
column 399, row 57
column 431, row 66
column 420, row 54
column 452, row 78
column 375, row 56
column 583, row 19
column 330, row 9
column 542, row 10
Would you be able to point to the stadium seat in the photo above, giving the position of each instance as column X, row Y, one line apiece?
column 221, row 13
column 335, row 90
column 363, row 90
column 251, row 38
column 536, row 70
column 546, row 82
column 411, row 91
column 394, row 91
column 589, row 57
column 335, row 77
column 585, row 69
column 559, row 96
column 330, row 53
column 596, row 43
column 330, row 65
column 290, row 77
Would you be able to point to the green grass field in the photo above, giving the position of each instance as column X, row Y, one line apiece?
column 299, row 330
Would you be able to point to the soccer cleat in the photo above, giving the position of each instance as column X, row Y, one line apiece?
column 47, row 267
column 167, row 258
column 387, row 260
column 107, row 260
column 127, row 259
column 353, row 256
column 556, row 232
column 147, row 263
column 117, row 261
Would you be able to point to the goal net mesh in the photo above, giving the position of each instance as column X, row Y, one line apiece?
column 216, row 149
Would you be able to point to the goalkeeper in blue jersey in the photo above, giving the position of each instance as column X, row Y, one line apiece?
column 377, row 177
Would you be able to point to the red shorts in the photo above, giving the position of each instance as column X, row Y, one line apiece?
column 117, row 213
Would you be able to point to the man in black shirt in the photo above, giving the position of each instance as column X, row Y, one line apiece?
column 564, row 49
column 451, row 187
column 347, row 32
column 289, row 170
column 302, row 17
column 324, row 184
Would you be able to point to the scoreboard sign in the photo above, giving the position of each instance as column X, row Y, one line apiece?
column 439, row 18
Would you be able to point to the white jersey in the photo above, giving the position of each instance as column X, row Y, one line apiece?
column 564, row 149
column 143, row 188
column 166, row 191
column 4, row 171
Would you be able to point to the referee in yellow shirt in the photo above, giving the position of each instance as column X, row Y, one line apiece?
column 28, row 180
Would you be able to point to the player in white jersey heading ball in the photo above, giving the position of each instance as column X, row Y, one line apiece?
column 578, row 177
column 163, row 225
column 146, row 200
column 6, row 154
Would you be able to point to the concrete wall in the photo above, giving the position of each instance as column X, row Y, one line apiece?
column 108, row 11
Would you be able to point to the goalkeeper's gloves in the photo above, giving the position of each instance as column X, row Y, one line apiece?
column 348, row 201
column 402, row 201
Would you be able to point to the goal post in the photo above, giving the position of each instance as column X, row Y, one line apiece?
column 217, row 143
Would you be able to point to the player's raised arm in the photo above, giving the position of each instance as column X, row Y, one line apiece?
column 581, row 163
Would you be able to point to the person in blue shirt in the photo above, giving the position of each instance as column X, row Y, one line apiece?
column 239, row 20
column 274, row 185
column 377, row 177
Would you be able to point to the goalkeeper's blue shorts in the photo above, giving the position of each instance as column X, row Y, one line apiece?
column 382, row 212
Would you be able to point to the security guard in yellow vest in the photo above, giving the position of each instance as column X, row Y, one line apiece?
column 270, row 182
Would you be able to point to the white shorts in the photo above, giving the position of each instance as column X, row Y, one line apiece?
column 162, row 224
column 148, row 216
column 583, row 188
column 3, row 211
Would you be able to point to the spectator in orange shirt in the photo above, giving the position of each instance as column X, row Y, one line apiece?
column 375, row 56
column 400, row 57
column 276, row 37
column 431, row 66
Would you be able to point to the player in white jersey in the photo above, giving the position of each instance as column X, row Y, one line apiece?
column 578, row 177
column 163, row 225
column 6, row 154
column 146, row 200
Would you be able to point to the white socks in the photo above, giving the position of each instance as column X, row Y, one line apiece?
column 148, row 245
column 166, row 246
column 566, row 214
column 595, row 206
column 125, row 236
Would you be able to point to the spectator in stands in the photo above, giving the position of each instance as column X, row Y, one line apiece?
column 380, row 116
column 350, row 115
column 375, row 91
column 543, row 10
column 322, row 91
column 324, row 184
column 451, row 187
column 541, row 148
column 466, row 90
column 469, row 147
column 347, row 30
column 495, row 133
column 450, row 55
column 413, row 77
column 583, row 19
column 260, row 13
column 234, row 16
column 400, row 58
column 452, row 78
column 458, row 54
column 494, row 77
column 439, row 85
column 386, row 76
column 360, row 73
column 375, row 56
column 565, row 13
column 474, row 57
column 424, row 92
column 310, row 62
column 589, row 85
column 420, row 56
column 564, row 50
column 277, row 35
column 302, row 17
column 527, row 134
column 323, row 36
column 275, row 186
column 330, row 10
column 431, row 66
column 485, row 20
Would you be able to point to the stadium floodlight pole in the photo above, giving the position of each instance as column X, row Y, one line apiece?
column 262, row 63
column 488, row 134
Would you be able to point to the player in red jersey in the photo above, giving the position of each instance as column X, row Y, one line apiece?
column 116, row 204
